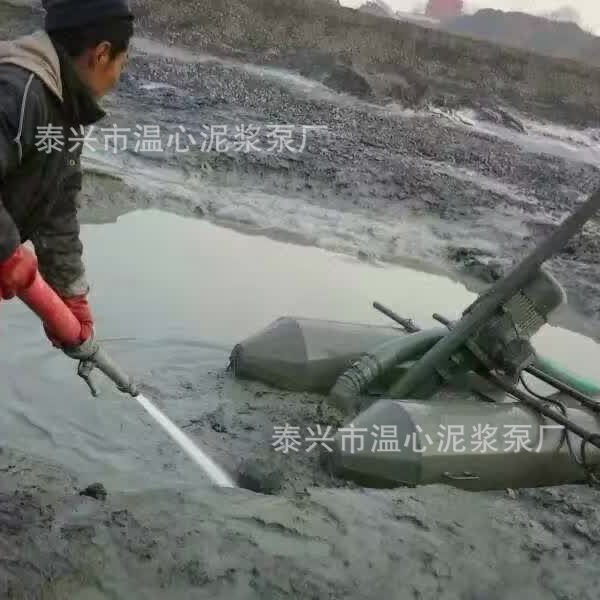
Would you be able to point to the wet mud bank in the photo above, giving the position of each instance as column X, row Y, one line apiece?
column 322, row 543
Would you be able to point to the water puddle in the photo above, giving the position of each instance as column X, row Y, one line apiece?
column 355, row 231
column 172, row 296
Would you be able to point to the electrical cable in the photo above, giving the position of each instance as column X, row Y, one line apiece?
column 592, row 477
column 582, row 462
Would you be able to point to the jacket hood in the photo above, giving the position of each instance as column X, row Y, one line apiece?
column 36, row 53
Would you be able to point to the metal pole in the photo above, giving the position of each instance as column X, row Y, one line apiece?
column 406, row 324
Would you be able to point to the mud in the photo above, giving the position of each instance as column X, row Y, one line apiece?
column 96, row 503
column 322, row 543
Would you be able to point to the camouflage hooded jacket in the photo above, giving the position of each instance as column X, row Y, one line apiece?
column 43, row 100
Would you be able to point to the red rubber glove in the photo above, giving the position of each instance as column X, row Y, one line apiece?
column 81, row 309
column 17, row 272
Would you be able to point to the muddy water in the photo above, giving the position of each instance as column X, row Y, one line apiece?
column 540, row 138
column 171, row 296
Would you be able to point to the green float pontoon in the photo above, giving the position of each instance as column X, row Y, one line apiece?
column 306, row 354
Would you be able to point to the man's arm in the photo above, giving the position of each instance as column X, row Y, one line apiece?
column 59, row 250
column 22, row 111
column 57, row 242
column 10, row 237
column 18, row 117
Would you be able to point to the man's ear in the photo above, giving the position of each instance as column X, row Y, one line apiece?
column 102, row 54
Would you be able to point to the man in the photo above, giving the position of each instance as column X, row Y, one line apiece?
column 48, row 80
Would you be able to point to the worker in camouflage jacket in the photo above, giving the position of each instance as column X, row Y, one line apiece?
column 50, row 82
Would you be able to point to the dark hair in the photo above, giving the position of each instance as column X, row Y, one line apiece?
column 117, row 31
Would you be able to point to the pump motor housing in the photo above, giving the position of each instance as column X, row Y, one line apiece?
column 505, row 340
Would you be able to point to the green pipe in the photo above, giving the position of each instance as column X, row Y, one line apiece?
column 349, row 386
column 579, row 383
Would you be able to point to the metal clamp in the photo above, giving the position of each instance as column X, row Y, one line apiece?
column 91, row 356
column 84, row 370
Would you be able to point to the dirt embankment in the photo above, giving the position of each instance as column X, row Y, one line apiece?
column 371, row 55
column 399, row 60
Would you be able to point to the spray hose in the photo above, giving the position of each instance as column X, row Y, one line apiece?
column 57, row 317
